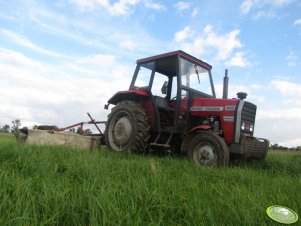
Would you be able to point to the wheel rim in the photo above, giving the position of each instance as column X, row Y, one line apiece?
column 121, row 131
column 204, row 154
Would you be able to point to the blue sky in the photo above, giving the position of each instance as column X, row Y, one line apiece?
column 60, row 59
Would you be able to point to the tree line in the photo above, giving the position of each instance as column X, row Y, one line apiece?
column 16, row 125
column 11, row 129
column 280, row 147
column 5, row 128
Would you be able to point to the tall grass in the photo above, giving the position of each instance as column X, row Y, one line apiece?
column 41, row 185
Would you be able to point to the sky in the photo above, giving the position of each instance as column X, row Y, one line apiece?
column 60, row 59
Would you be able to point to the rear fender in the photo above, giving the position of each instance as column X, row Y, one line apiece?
column 134, row 95
column 139, row 96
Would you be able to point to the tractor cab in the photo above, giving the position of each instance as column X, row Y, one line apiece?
column 172, row 80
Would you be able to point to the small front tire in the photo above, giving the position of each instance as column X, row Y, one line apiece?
column 207, row 148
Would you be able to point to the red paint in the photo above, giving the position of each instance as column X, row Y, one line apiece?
column 227, row 127
column 128, row 95
column 201, row 127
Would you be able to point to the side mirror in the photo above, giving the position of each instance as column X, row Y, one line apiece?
column 164, row 88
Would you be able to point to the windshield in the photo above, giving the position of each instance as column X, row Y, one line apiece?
column 145, row 72
column 195, row 77
column 144, row 77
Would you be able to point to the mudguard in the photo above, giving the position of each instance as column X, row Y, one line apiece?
column 134, row 95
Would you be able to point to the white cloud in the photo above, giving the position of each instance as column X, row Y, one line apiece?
column 196, row 43
column 98, row 59
column 239, row 60
column 257, row 86
column 84, row 4
column 281, row 2
column 291, row 142
column 279, row 125
column 258, row 98
column 43, row 94
column 181, row 6
column 292, row 91
column 249, row 5
column 297, row 22
column 184, row 34
column 122, row 7
column 292, row 59
column 118, row 8
column 92, row 65
column 54, row 23
column 84, row 31
column 195, row 47
column 224, row 44
column 24, row 42
column 18, row 59
column 128, row 44
column 195, row 12
column 264, row 14
column 154, row 6
column 281, row 114
column 246, row 6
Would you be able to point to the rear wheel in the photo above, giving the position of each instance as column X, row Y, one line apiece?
column 127, row 128
column 207, row 148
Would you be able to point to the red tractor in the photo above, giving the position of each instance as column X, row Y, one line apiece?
column 184, row 115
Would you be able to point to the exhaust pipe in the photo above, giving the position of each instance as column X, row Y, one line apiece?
column 225, row 86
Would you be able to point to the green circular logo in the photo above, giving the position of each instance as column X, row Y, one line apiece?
column 282, row 214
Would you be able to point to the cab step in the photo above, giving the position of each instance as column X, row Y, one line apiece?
column 167, row 146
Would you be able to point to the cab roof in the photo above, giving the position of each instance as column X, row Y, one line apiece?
column 176, row 53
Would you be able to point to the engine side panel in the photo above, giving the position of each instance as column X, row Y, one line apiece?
column 224, row 109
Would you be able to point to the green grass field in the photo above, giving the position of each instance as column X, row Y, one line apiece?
column 62, row 186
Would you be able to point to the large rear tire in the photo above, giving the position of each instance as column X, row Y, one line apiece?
column 127, row 128
column 207, row 148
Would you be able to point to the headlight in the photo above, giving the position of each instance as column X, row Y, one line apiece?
column 247, row 127
column 243, row 126
column 251, row 128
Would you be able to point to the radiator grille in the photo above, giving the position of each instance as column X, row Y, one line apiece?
column 248, row 113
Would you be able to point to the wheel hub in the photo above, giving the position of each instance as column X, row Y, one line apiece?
column 122, row 131
column 204, row 155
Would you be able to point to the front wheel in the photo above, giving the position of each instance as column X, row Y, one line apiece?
column 207, row 148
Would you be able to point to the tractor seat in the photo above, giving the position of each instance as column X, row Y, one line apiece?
column 161, row 102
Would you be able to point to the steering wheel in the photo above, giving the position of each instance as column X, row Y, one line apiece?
column 174, row 98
